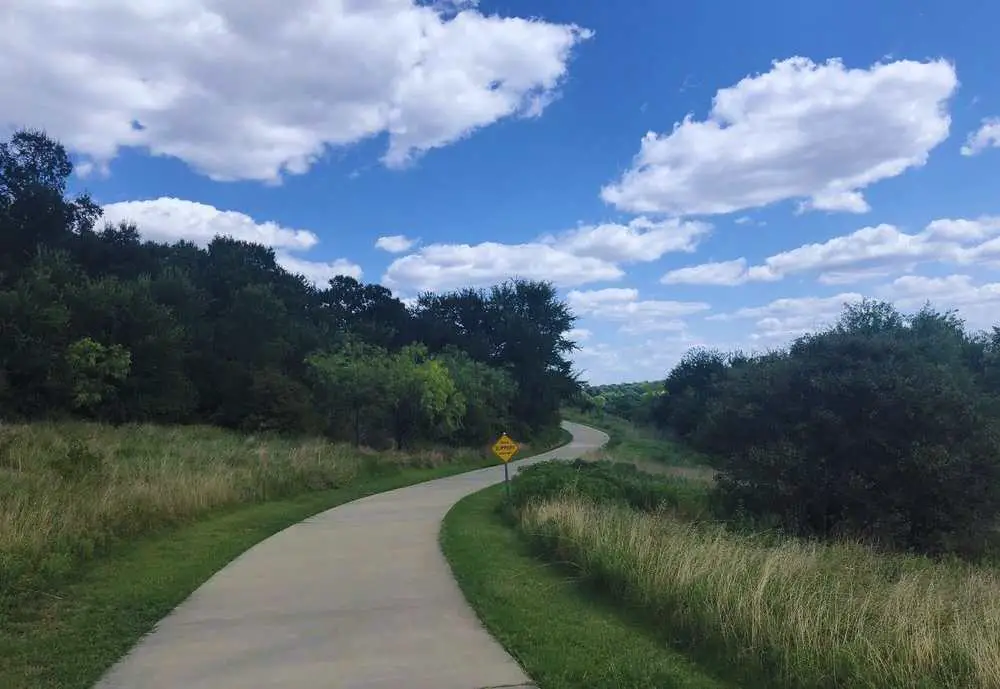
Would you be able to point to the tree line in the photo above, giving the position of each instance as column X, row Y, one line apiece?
column 97, row 323
column 884, row 426
column 631, row 401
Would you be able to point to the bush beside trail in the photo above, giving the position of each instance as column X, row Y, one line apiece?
column 608, row 482
column 98, row 323
column 784, row 614
column 70, row 492
column 776, row 609
column 883, row 427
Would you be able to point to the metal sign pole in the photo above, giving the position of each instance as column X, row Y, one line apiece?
column 505, row 449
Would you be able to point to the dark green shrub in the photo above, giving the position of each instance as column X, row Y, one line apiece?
column 78, row 462
column 872, row 429
column 689, row 389
column 608, row 482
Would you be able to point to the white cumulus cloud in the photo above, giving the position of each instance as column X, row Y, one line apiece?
column 634, row 315
column 987, row 136
column 727, row 273
column 780, row 321
column 863, row 254
column 784, row 319
column 254, row 90
column 819, row 133
column 976, row 303
column 395, row 244
column 591, row 253
column 640, row 240
column 170, row 220
column 439, row 267
column 635, row 359
column 318, row 272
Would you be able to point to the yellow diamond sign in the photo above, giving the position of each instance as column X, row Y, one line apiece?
column 505, row 448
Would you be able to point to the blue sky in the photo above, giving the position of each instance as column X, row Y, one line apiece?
column 723, row 174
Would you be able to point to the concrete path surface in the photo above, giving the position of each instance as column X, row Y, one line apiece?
column 357, row 597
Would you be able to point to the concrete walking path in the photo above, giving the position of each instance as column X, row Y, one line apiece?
column 357, row 597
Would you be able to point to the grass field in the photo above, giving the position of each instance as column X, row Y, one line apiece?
column 103, row 531
column 564, row 635
column 759, row 609
column 645, row 448
column 71, row 491
column 804, row 615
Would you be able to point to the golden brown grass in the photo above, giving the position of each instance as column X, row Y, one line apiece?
column 808, row 615
column 70, row 490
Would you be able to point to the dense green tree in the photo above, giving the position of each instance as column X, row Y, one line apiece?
column 352, row 384
column 33, row 207
column 636, row 402
column 368, row 311
column 688, row 390
column 94, row 371
column 518, row 326
column 882, row 426
column 489, row 393
column 422, row 398
column 224, row 334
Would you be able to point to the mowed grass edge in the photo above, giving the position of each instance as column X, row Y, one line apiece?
column 564, row 636
column 75, row 634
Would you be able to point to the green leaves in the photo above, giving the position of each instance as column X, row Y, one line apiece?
column 883, row 427
column 94, row 371
column 224, row 334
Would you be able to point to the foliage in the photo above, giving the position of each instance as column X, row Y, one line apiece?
column 99, row 323
column 422, row 399
column 489, row 393
column 635, row 402
column 520, row 327
column 94, row 371
column 883, row 426
column 607, row 482
column 563, row 635
column 85, row 574
column 350, row 384
column 70, row 491
column 782, row 613
column 689, row 388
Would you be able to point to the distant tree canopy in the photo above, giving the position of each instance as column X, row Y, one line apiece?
column 884, row 426
column 96, row 322
column 633, row 401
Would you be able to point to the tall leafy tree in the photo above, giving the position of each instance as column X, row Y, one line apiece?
column 224, row 334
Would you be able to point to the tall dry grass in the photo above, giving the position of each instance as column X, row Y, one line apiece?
column 807, row 615
column 70, row 490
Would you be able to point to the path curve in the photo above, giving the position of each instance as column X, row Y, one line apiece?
column 357, row 597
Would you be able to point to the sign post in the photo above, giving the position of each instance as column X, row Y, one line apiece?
column 505, row 448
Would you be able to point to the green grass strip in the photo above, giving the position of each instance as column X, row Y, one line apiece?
column 69, row 638
column 564, row 636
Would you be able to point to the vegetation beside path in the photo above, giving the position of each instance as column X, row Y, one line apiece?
column 88, row 564
column 121, row 359
column 564, row 635
column 601, row 540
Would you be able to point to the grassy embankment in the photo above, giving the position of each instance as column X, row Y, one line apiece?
column 645, row 448
column 768, row 612
column 103, row 531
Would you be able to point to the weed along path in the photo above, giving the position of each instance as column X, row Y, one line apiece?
column 358, row 597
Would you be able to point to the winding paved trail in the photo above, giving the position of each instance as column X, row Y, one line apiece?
column 357, row 597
